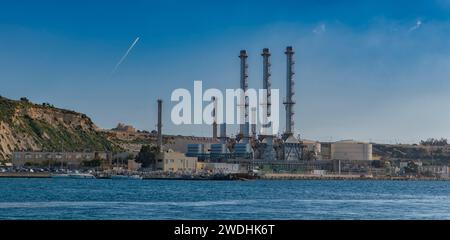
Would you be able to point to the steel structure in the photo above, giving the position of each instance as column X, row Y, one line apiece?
column 244, row 129
column 289, row 101
column 160, row 137
column 292, row 146
column 268, row 152
column 214, row 125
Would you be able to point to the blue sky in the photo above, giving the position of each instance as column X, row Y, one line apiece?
column 366, row 70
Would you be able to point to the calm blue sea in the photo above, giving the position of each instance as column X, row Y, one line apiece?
column 165, row 199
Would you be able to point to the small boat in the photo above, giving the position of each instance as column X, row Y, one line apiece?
column 75, row 175
column 126, row 177
column 81, row 175
column 103, row 176
column 60, row 175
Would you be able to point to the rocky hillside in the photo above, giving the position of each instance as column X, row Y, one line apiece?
column 429, row 155
column 28, row 126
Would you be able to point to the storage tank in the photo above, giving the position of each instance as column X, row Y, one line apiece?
column 218, row 148
column 194, row 150
column 242, row 149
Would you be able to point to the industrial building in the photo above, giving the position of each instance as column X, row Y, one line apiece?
column 312, row 149
column 438, row 171
column 176, row 162
column 57, row 159
column 250, row 150
column 325, row 150
column 351, row 150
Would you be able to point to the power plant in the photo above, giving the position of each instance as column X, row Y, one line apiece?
column 251, row 149
column 250, row 152
column 248, row 145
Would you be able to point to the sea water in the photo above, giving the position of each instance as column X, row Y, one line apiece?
column 259, row 199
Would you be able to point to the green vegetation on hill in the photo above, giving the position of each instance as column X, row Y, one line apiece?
column 58, row 137
column 28, row 126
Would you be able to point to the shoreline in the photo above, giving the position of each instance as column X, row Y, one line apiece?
column 25, row 175
column 271, row 177
column 345, row 177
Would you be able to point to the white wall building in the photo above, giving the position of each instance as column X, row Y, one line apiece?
column 439, row 171
column 176, row 162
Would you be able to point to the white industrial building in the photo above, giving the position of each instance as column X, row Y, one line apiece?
column 351, row 150
column 439, row 171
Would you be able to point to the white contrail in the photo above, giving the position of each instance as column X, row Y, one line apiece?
column 415, row 27
column 126, row 54
column 322, row 28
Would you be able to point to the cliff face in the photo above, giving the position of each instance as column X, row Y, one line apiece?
column 27, row 126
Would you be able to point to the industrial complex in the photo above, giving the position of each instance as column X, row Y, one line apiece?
column 254, row 150
column 249, row 152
